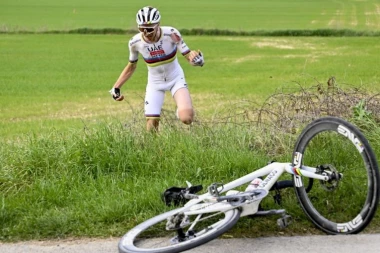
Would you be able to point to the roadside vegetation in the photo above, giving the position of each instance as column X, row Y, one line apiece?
column 102, row 181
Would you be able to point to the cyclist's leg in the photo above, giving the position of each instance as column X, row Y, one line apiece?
column 154, row 100
column 182, row 98
column 152, row 124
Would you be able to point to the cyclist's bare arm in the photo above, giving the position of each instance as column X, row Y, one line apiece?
column 195, row 58
column 125, row 74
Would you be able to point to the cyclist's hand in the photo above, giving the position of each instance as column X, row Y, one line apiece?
column 115, row 92
column 196, row 58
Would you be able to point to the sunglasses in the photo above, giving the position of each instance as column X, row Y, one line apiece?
column 147, row 29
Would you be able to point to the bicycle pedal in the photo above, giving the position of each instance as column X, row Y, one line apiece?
column 284, row 221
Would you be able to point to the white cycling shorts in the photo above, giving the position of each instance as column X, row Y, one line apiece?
column 155, row 95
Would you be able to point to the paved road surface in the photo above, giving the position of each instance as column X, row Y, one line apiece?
column 368, row 243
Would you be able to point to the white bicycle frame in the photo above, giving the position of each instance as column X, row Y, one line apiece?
column 272, row 171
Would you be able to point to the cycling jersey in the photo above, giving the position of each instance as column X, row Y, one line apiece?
column 160, row 56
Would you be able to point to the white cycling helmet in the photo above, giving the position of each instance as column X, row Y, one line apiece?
column 148, row 15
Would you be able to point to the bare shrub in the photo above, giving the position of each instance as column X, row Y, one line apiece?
column 288, row 110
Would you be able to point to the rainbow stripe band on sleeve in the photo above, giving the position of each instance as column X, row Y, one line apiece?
column 185, row 53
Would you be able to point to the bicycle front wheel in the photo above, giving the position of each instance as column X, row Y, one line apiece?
column 347, row 202
column 153, row 236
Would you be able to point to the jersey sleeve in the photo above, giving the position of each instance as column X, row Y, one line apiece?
column 133, row 52
column 182, row 47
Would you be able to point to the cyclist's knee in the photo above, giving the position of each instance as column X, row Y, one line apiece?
column 186, row 116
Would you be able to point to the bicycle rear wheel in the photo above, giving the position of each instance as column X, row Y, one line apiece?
column 347, row 202
column 152, row 236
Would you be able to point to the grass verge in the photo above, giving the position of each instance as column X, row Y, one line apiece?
column 102, row 181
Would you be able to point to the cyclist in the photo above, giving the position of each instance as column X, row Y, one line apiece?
column 158, row 46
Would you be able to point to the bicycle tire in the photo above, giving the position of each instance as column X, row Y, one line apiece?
column 130, row 243
column 342, row 205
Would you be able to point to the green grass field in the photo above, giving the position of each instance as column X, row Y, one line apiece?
column 247, row 15
column 76, row 163
column 59, row 80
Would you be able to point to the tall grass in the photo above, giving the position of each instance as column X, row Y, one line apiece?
column 102, row 181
